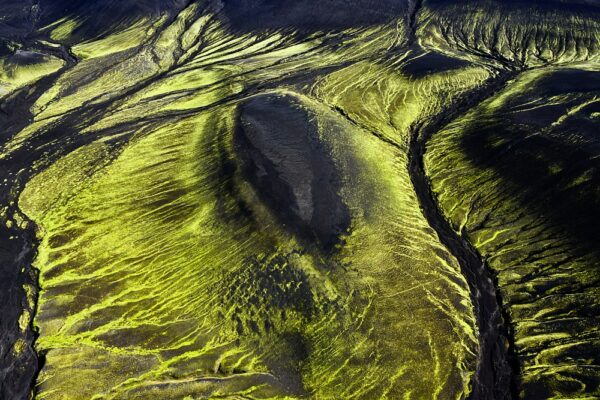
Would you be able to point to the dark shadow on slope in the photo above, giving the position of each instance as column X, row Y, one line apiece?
column 554, row 172
column 430, row 62
column 564, row 4
column 311, row 15
column 96, row 18
column 556, row 168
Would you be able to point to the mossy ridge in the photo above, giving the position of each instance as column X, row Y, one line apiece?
column 511, row 35
column 25, row 68
column 539, row 248
column 63, row 270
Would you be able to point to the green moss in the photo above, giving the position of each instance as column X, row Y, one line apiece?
column 144, row 263
column 120, row 41
column 63, row 29
column 14, row 75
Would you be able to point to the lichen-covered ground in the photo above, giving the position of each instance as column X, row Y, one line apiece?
column 524, row 188
column 215, row 199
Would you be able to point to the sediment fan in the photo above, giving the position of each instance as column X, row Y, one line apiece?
column 299, row 199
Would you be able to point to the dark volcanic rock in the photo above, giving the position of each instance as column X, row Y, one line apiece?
column 18, row 361
column 281, row 155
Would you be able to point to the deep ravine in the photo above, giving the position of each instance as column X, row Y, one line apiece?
column 497, row 368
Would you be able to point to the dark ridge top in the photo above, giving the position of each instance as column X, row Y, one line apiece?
column 282, row 157
column 431, row 63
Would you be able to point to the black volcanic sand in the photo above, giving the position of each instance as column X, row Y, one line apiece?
column 311, row 15
column 494, row 376
column 17, row 247
column 101, row 17
column 281, row 155
column 16, row 372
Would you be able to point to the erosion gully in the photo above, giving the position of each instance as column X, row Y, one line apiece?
column 18, row 368
column 497, row 367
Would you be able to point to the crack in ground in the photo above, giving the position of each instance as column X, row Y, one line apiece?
column 497, row 367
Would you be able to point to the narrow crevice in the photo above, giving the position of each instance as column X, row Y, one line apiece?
column 413, row 9
column 497, row 369
column 496, row 373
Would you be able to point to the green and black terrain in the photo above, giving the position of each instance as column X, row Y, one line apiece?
column 301, row 199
